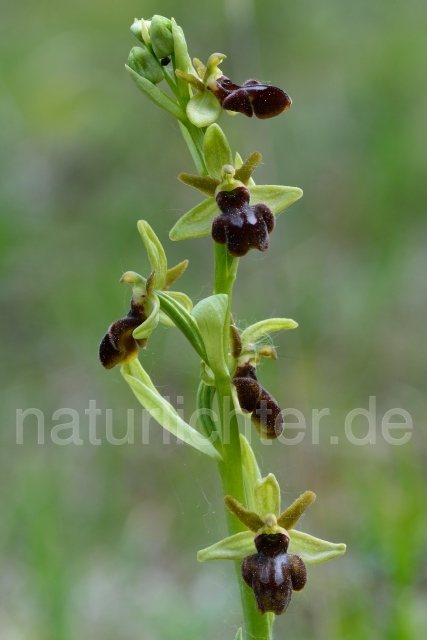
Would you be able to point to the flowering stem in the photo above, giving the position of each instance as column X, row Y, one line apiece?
column 257, row 627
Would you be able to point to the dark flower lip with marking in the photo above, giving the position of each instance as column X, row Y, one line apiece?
column 273, row 573
column 241, row 226
column 266, row 415
column 251, row 98
column 118, row 346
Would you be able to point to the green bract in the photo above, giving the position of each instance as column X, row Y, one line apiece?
column 198, row 221
column 162, row 411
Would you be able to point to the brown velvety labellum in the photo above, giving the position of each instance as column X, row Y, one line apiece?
column 241, row 226
column 273, row 573
column 118, row 346
column 251, row 98
column 267, row 417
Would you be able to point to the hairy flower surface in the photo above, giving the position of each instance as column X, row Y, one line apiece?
column 267, row 567
column 251, row 98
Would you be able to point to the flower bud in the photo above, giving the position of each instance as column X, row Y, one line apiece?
column 161, row 36
column 241, row 226
column 140, row 29
column 273, row 573
column 145, row 65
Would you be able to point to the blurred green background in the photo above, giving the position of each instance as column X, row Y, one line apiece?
column 100, row 541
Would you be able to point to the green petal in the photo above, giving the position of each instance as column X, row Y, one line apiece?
column 275, row 197
column 157, row 96
column 217, row 151
column 174, row 273
column 148, row 326
column 292, row 514
column 264, row 328
column 250, row 519
column 164, row 412
column 267, row 496
column 245, row 171
column 197, row 222
column 203, row 109
column 205, row 184
column 235, row 547
column 238, row 163
column 313, row 550
column 183, row 300
column 211, row 318
column 156, row 253
column 251, row 472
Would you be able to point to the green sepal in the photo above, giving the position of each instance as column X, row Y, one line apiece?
column 191, row 80
column 211, row 317
column 292, row 514
column 145, row 65
column 161, row 36
column 217, row 151
column 147, row 327
column 203, row 109
column 183, row 300
column 239, row 634
column 275, row 197
column 265, row 327
column 163, row 411
column 267, row 496
column 185, row 322
column 181, row 58
column 245, row 171
column 205, row 184
column 156, row 253
column 251, row 472
column 250, row 519
column 197, row 222
column 235, row 547
column 314, row 550
column 174, row 273
column 157, row 96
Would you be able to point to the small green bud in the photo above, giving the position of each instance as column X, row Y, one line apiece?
column 140, row 29
column 145, row 65
column 161, row 36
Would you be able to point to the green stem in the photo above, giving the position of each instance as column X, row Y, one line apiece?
column 257, row 627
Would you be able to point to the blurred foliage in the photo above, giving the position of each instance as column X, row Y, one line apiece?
column 100, row 541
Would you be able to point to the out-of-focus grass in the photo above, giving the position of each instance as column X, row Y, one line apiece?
column 100, row 541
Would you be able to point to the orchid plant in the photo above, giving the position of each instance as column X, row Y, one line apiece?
column 269, row 553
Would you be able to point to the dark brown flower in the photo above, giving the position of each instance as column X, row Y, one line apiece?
column 252, row 97
column 273, row 573
column 266, row 414
column 241, row 226
column 118, row 345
